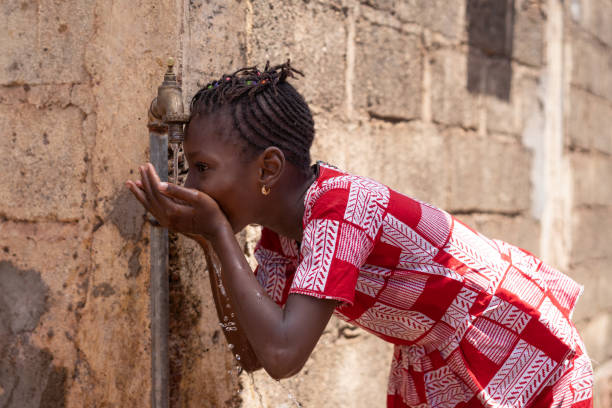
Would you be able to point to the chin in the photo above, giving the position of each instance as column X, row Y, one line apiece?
column 236, row 228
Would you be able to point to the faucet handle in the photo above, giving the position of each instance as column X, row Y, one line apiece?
column 170, row 65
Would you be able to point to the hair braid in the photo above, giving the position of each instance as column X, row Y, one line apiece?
column 266, row 110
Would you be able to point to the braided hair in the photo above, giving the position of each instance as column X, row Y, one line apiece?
column 265, row 109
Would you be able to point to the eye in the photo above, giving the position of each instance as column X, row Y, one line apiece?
column 201, row 166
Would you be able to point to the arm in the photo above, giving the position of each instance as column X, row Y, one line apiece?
column 282, row 339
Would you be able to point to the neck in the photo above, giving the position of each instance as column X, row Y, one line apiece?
column 285, row 207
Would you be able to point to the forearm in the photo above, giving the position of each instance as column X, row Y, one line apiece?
column 261, row 319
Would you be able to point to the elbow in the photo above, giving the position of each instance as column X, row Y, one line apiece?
column 283, row 364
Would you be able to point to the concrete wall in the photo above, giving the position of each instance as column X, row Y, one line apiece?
column 499, row 112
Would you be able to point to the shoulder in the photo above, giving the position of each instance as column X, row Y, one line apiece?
column 335, row 189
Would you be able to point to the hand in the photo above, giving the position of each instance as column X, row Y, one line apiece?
column 180, row 209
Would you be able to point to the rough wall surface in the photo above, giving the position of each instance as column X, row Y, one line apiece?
column 499, row 112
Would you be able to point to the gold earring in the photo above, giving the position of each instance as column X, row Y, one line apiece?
column 265, row 190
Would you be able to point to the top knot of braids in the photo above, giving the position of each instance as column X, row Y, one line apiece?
column 266, row 110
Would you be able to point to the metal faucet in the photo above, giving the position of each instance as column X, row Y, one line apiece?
column 166, row 114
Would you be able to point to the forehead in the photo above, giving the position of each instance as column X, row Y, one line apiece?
column 210, row 131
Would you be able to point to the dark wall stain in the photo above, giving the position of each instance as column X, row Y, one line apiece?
column 103, row 289
column 134, row 266
column 27, row 375
column 23, row 299
column 490, row 41
column 127, row 214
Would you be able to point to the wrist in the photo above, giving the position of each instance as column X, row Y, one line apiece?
column 221, row 233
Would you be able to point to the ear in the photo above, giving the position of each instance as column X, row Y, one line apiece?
column 271, row 163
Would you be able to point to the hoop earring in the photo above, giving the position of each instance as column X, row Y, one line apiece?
column 265, row 190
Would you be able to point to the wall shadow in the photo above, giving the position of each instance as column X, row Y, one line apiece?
column 490, row 26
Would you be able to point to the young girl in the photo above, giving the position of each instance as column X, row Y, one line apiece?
column 475, row 322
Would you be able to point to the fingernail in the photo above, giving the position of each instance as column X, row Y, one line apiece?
column 163, row 186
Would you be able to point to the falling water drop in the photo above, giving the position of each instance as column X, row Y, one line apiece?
column 233, row 315
column 290, row 395
column 231, row 346
column 227, row 305
column 175, row 149
column 238, row 357
column 225, row 318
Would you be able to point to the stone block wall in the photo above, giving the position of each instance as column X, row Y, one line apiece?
column 506, row 125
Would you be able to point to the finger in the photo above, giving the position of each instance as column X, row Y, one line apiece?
column 188, row 195
column 155, row 186
column 139, row 194
column 147, row 188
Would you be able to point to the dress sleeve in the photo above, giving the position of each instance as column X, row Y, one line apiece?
column 335, row 244
column 274, row 268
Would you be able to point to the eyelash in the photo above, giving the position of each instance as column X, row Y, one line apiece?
column 201, row 167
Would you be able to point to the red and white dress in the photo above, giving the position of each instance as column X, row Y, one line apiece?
column 476, row 322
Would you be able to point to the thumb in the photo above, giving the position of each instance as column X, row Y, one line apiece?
column 188, row 195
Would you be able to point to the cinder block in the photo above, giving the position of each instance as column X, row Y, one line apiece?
column 120, row 137
column 57, row 255
column 588, row 121
column 593, row 16
column 444, row 17
column 408, row 157
column 215, row 44
column 522, row 231
column 388, row 72
column 591, row 232
column 488, row 174
column 511, row 116
column 44, row 43
column 364, row 365
column 594, row 275
column 46, row 175
column 451, row 102
column 602, row 387
column 122, row 306
column 596, row 334
column 528, row 39
column 591, row 64
column 313, row 36
column 591, row 179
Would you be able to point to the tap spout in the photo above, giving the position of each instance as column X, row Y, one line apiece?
column 166, row 112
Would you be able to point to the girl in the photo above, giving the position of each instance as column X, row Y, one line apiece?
column 474, row 321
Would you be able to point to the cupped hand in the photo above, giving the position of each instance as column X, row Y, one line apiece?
column 180, row 209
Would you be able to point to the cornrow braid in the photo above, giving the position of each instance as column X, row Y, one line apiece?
column 265, row 109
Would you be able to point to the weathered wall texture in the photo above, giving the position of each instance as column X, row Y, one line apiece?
column 499, row 112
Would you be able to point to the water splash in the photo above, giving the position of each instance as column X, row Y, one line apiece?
column 290, row 395
column 229, row 326
column 175, row 150
column 261, row 404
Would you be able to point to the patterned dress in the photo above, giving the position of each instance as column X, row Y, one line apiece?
column 475, row 322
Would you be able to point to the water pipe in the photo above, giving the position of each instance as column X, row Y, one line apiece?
column 166, row 120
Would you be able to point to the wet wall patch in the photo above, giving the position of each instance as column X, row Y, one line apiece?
column 127, row 215
column 134, row 266
column 27, row 374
